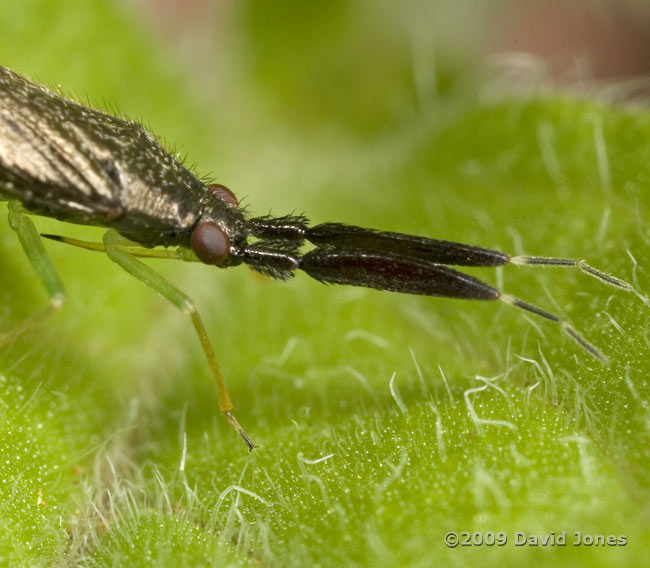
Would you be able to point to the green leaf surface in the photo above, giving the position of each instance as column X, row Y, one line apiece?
column 382, row 421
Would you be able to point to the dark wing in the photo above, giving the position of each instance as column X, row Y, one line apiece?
column 49, row 159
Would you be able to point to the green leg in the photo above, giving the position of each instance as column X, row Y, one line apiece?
column 148, row 276
column 45, row 270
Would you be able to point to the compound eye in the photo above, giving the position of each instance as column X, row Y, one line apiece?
column 210, row 243
column 224, row 194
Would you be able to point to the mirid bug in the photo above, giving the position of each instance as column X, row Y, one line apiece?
column 61, row 159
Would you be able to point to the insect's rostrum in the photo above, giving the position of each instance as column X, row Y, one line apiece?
column 61, row 159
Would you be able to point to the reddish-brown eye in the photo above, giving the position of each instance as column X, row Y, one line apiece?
column 224, row 194
column 210, row 243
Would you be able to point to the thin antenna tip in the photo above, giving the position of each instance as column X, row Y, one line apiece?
column 581, row 264
column 602, row 276
column 566, row 327
column 580, row 340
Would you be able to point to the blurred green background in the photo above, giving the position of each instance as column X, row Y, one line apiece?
column 382, row 421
